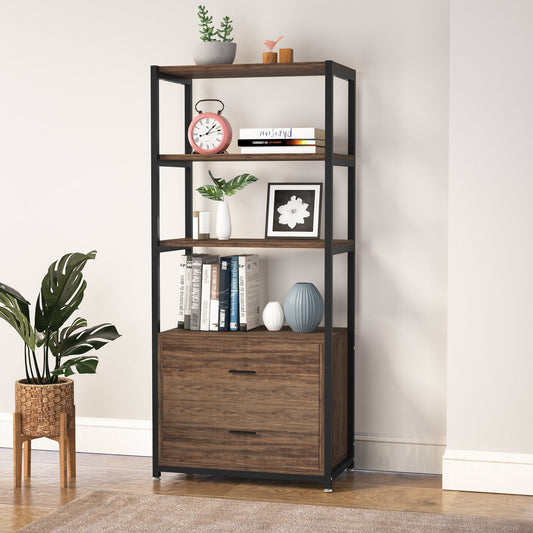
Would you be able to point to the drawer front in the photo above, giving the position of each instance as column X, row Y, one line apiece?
column 215, row 359
column 244, row 409
column 254, row 449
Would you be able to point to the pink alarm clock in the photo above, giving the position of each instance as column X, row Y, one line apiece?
column 209, row 133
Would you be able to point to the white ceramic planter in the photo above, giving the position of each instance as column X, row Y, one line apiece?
column 214, row 53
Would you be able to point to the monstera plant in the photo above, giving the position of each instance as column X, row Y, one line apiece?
column 62, row 346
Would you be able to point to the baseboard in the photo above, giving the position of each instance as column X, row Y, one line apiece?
column 94, row 435
column 373, row 452
column 476, row 471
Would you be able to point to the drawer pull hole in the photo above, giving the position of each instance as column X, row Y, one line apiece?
column 241, row 432
column 241, row 371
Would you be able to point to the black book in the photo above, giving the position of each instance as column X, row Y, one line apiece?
column 224, row 284
column 281, row 142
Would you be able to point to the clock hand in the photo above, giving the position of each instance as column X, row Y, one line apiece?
column 208, row 132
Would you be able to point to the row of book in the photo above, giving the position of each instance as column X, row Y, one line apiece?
column 282, row 140
column 218, row 293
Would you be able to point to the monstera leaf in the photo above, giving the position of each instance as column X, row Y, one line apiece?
column 62, row 291
column 14, row 308
column 73, row 340
column 82, row 365
column 222, row 187
column 211, row 192
column 238, row 183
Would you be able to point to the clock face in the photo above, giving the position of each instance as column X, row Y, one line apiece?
column 209, row 134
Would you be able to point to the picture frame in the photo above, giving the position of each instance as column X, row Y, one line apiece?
column 293, row 210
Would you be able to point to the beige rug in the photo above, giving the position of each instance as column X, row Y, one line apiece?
column 111, row 511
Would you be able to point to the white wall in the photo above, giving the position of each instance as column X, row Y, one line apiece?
column 490, row 364
column 75, row 176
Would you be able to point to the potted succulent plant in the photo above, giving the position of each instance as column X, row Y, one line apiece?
column 218, row 192
column 47, row 390
column 216, row 46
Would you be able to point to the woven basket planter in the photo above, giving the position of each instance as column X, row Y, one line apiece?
column 40, row 406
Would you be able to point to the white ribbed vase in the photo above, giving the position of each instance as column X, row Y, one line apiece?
column 273, row 316
column 303, row 307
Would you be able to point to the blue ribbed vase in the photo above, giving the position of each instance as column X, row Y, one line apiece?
column 303, row 307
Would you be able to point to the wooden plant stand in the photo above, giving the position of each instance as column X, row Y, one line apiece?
column 67, row 450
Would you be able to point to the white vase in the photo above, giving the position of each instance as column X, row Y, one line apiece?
column 223, row 227
column 273, row 317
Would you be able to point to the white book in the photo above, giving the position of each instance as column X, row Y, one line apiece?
column 249, row 313
column 213, row 305
column 187, row 296
column 282, row 150
column 205, row 297
column 282, row 133
column 182, row 267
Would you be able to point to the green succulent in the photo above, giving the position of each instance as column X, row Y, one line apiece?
column 62, row 290
column 207, row 30
column 223, row 188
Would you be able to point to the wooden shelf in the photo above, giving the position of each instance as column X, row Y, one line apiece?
column 285, row 333
column 253, row 70
column 338, row 244
column 338, row 159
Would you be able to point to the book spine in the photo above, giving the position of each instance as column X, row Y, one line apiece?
column 213, row 305
column 282, row 149
column 280, row 142
column 253, row 286
column 249, row 277
column 242, row 292
column 234, row 295
column 223, row 293
column 182, row 268
column 196, row 292
column 187, row 295
column 206, row 297
column 282, row 133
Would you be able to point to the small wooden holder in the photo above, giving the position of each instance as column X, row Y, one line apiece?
column 286, row 55
column 270, row 57
column 67, row 450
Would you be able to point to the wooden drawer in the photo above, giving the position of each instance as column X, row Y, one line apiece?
column 220, row 356
column 231, row 386
column 241, row 409
column 256, row 449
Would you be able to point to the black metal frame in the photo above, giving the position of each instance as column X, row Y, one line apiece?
column 332, row 70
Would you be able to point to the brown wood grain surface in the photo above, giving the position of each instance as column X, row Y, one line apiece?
column 264, row 451
column 268, row 383
column 339, row 158
column 247, row 70
column 255, row 243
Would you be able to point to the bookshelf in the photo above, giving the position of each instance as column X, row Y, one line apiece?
column 257, row 404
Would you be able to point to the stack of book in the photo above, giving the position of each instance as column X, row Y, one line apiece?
column 282, row 140
column 218, row 293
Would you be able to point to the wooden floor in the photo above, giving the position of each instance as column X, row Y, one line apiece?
column 369, row 490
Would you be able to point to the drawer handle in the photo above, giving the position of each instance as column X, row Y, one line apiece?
column 241, row 371
column 241, row 432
